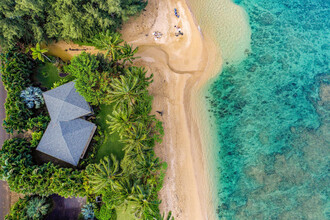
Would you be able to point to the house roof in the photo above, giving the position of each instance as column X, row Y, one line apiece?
column 66, row 135
column 65, row 103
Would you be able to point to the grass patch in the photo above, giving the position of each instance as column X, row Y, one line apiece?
column 111, row 143
column 47, row 74
column 125, row 214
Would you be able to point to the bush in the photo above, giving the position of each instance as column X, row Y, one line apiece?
column 36, row 137
column 88, row 211
column 106, row 214
column 16, row 69
column 23, row 176
column 29, row 207
column 32, row 96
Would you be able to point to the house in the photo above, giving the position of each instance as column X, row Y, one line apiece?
column 68, row 135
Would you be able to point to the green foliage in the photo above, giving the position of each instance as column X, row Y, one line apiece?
column 88, row 211
column 106, row 213
column 38, row 123
column 32, row 96
column 37, row 208
column 23, row 176
column 109, row 42
column 59, row 83
column 32, row 21
column 38, row 53
column 29, row 208
column 47, row 74
column 129, row 88
column 36, row 137
column 91, row 82
column 105, row 174
column 16, row 69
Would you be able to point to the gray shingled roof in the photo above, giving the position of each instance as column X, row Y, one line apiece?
column 66, row 135
column 64, row 103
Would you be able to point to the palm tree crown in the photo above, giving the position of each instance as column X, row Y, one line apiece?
column 38, row 53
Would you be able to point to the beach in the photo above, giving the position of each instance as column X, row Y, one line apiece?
column 181, row 66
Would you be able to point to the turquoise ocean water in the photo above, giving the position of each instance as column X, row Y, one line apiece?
column 272, row 112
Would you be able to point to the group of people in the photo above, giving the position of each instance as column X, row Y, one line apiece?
column 178, row 31
column 157, row 34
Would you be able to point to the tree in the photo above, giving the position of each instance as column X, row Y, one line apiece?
column 121, row 120
column 126, row 90
column 127, row 53
column 104, row 174
column 144, row 205
column 32, row 21
column 110, row 42
column 136, row 141
column 38, row 53
column 37, row 207
column 91, row 82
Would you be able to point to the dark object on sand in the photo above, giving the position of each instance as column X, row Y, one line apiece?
column 160, row 112
column 176, row 13
column 77, row 49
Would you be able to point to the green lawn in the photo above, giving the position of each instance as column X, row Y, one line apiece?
column 47, row 75
column 111, row 144
column 123, row 214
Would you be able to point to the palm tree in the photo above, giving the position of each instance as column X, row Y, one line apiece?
column 127, row 53
column 38, row 53
column 126, row 90
column 37, row 207
column 136, row 141
column 104, row 174
column 143, row 204
column 110, row 42
column 121, row 120
column 149, row 166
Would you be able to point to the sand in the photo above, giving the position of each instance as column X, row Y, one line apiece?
column 181, row 67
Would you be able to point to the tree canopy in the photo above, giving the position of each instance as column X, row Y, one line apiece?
column 32, row 21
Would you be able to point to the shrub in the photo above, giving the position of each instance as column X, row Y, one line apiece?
column 32, row 97
column 23, row 176
column 36, row 137
column 37, row 208
column 16, row 69
column 29, row 207
column 88, row 211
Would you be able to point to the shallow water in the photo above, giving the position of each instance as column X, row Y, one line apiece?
column 272, row 112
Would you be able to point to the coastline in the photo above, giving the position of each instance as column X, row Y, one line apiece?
column 181, row 67
column 177, row 89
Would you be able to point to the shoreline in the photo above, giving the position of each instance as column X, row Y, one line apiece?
column 181, row 66
column 188, row 177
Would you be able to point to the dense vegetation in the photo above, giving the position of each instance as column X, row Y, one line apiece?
column 131, row 182
column 25, row 176
column 33, row 21
column 16, row 69
column 29, row 207
column 135, row 180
